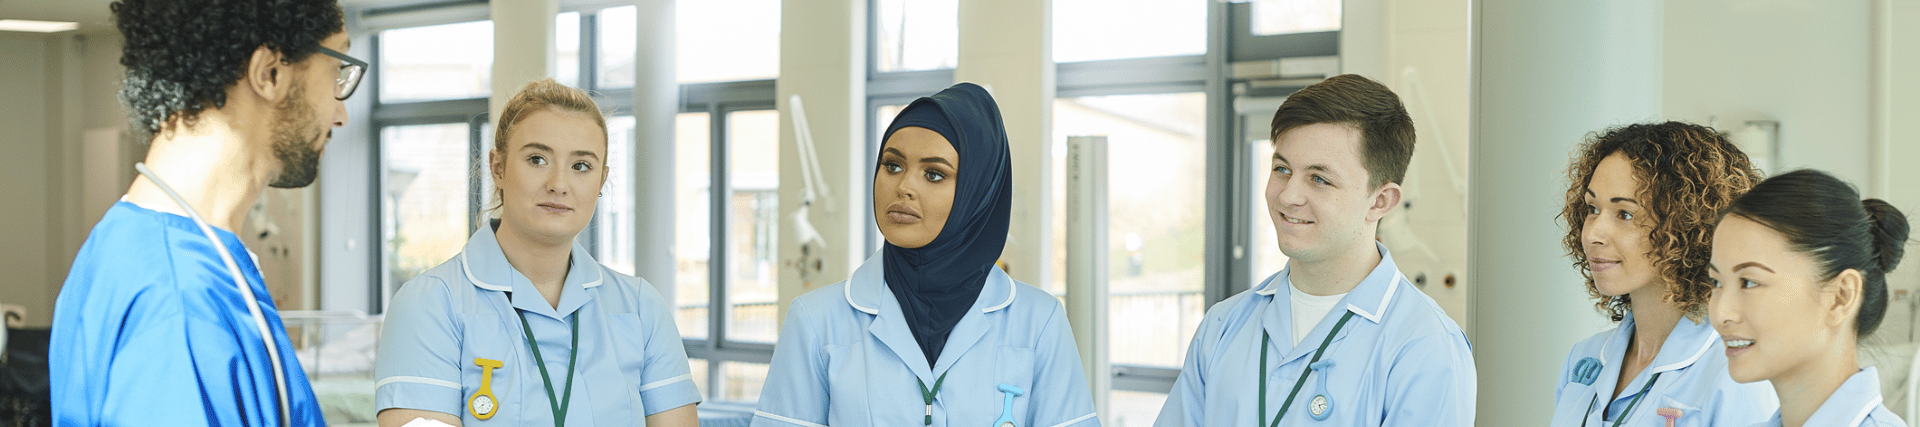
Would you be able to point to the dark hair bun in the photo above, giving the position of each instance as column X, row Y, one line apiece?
column 1890, row 229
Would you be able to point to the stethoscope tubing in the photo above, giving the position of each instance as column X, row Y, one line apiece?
column 253, row 303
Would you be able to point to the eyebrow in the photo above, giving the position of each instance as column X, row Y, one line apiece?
column 1616, row 199
column 1754, row 264
column 1322, row 168
column 544, row 147
column 940, row 160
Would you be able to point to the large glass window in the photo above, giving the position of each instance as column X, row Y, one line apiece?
column 753, row 166
column 1272, row 17
column 915, row 34
column 425, row 211
column 741, row 381
column 1266, row 258
column 748, row 31
column 566, row 49
column 1091, row 30
column 617, row 39
column 1156, row 163
column 614, row 213
column 452, row 61
column 428, row 166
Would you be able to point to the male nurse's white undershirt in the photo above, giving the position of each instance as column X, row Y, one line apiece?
column 1309, row 310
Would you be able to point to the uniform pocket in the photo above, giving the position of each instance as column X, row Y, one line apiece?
column 485, row 337
column 1015, row 368
column 1682, row 413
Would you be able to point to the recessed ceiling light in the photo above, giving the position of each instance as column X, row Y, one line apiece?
column 36, row 26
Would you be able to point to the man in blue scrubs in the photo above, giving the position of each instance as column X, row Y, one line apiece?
column 1339, row 335
column 151, row 327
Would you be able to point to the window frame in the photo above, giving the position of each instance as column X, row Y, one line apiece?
column 1229, row 221
column 715, row 98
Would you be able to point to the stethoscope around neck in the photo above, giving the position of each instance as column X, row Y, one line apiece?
column 246, row 292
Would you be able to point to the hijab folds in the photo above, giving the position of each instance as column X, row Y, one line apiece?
column 937, row 284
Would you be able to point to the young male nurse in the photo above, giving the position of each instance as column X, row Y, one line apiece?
column 1338, row 335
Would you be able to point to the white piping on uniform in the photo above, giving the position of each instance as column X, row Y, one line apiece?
column 416, row 380
column 785, row 419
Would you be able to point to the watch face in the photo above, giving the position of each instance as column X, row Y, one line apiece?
column 483, row 404
column 1319, row 405
column 1006, row 424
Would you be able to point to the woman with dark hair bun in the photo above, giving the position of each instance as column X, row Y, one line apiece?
column 1799, row 266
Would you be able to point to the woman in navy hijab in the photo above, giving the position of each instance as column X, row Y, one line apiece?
column 928, row 331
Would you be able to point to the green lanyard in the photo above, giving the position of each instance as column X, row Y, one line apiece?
column 927, row 395
column 559, row 406
column 1630, row 405
column 1266, row 340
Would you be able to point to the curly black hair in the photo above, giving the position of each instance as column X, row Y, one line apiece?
column 1687, row 174
column 181, row 55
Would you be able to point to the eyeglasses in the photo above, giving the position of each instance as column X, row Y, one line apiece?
column 351, row 70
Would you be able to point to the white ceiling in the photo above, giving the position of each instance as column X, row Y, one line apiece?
column 91, row 14
column 94, row 16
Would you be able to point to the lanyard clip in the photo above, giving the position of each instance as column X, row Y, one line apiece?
column 1006, row 411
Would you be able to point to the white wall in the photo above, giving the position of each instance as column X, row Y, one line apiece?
column 1896, row 134
column 59, row 88
column 1801, row 63
column 823, row 51
column 1546, row 73
column 32, row 279
column 1426, row 60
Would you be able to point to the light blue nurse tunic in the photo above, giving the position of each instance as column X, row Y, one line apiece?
column 1855, row 404
column 846, row 358
column 1692, row 365
column 631, row 362
column 1400, row 361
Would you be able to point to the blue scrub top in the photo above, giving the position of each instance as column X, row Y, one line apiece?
column 1855, row 404
column 631, row 363
column 846, row 358
column 1400, row 361
column 1693, row 379
column 150, row 328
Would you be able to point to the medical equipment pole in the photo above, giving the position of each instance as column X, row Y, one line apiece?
column 1086, row 244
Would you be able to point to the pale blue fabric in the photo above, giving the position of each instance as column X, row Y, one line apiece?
column 1400, row 361
column 846, row 358
column 1855, row 404
column 1693, row 379
column 632, row 362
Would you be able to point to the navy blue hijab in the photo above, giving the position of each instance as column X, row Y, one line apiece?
column 938, row 283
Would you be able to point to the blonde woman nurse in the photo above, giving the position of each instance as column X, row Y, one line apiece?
column 523, row 327
column 1800, row 277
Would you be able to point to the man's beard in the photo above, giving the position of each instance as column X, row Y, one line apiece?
column 292, row 144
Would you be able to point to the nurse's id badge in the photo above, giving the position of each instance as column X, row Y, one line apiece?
column 482, row 405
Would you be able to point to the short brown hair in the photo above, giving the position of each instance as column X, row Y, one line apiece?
column 536, row 96
column 1386, row 131
column 1688, row 173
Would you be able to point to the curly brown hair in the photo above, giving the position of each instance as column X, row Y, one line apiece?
column 1687, row 173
